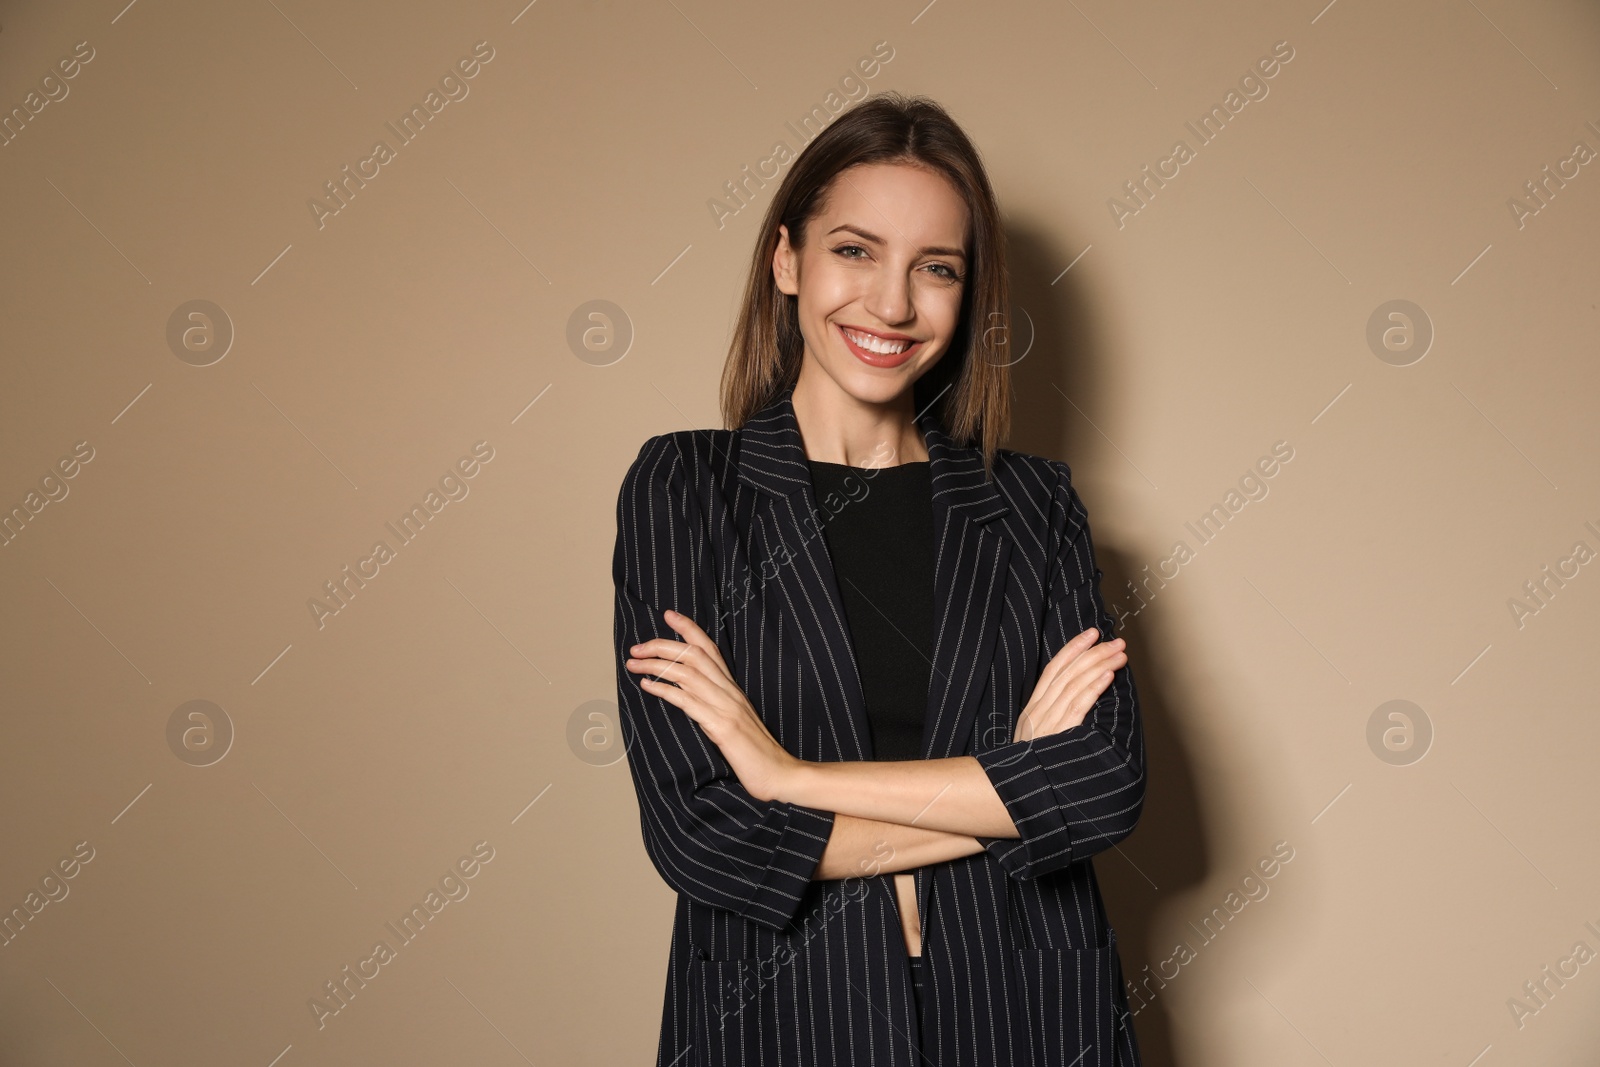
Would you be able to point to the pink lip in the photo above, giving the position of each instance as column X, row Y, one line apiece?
column 876, row 359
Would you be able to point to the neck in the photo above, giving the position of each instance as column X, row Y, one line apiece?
column 836, row 427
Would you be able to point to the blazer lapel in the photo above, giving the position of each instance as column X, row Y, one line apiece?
column 788, row 552
column 970, row 556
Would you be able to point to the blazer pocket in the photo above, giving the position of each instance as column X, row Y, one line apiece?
column 1067, row 1013
column 747, row 1012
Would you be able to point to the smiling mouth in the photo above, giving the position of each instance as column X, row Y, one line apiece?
column 876, row 351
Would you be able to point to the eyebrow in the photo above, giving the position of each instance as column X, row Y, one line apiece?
column 932, row 250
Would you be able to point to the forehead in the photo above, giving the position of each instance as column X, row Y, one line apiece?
column 905, row 204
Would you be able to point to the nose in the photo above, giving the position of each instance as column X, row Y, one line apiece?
column 890, row 298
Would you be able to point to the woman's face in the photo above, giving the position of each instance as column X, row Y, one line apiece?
column 886, row 258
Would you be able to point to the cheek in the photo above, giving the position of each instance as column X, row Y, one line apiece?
column 821, row 299
column 828, row 289
column 942, row 309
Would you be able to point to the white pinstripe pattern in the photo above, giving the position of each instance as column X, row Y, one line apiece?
column 770, row 968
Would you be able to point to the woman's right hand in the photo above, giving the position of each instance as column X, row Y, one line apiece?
column 1070, row 684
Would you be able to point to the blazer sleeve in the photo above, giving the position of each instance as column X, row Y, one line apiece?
column 1074, row 793
column 707, row 837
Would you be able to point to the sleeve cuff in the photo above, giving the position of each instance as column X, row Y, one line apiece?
column 794, row 860
column 1019, row 777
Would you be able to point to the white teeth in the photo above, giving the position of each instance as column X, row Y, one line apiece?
column 874, row 344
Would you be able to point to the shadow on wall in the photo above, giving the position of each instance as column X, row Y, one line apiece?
column 1165, row 856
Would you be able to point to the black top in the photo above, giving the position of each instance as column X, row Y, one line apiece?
column 878, row 527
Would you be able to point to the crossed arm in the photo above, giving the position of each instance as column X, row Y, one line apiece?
column 924, row 811
column 902, row 814
column 869, row 846
column 709, row 776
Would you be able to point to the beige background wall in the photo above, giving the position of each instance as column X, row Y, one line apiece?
column 350, row 763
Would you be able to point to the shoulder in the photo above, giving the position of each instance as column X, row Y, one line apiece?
column 1027, row 462
column 675, row 460
column 687, row 448
column 1041, row 495
column 1034, row 481
column 655, row 465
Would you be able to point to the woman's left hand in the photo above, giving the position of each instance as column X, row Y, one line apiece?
column 705, row 690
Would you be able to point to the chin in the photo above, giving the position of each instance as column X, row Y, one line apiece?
column 875, row 387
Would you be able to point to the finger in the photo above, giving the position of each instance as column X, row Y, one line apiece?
column 1044, row 709
column 1069, row 707
column 1114, row 659
column 672, row 695
column 691, row 631
column 723, row 724
column 1110, row 653
column 1088, row 693
column 694, row 696
column 691, row 673
column 1064, row 658
column 1046, row 699
column 1089, row 658
column 659, row 662
column 1057, row 694
column 1087, row 673
column 695, row 635
column 1070, row 651
column 664, row 647
column 676, row 671
column 695, row 658
column 1087, row 699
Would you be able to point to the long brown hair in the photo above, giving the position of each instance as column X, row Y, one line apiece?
column 971, row 383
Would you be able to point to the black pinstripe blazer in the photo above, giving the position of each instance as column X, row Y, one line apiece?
column 770, row 967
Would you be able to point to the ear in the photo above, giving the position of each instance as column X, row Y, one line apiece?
column 786, row 264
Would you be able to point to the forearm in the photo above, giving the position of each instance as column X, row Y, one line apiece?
column 953, row 795
column 865, row 847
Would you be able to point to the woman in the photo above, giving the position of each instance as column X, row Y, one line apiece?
column 875, row 742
